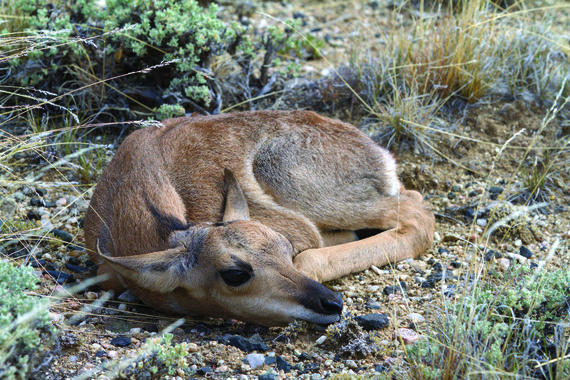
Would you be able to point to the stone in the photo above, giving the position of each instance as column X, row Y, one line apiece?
column 373, row 321
column 282, row 364
column 321, row 340
column 255, row 360
column 407, row 336
column 416, row 318
column 121, row 341
column 267, row 376
column 246, row 345
column 8, row 207
column 525, row 252
column 76, row 268
column 65, row 236
column 128, row 296
column 505, row 263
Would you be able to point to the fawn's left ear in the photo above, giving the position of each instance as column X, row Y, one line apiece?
column 235, row 204
column 156, row 271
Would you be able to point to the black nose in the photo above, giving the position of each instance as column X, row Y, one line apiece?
column 331, row 305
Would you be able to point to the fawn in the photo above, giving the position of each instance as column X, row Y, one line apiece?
column 242, row 215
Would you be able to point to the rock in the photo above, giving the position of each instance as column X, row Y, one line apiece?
column 270, row 360
column 406, row 335
column 243, row 344
column 416, row 318
column 373, row 305
column 496, row 190
column 505, row 263
column 204, row 370
column 373, row 321
column 112, row 354
column 255, row 360
column 8, row 207
column 128, row 296
column 490, row 254
column 351, row 364
column 437, row 267
column 121, row 341
column 65, row 236
column 321, row 340
column 443, row 251
column 482, row 222
column 525, row 252
column 401, row 288
column 267, row 376
column 61, row 202
column 436, row 277
column 380, row 368
column 76, row 268
column 59, row 277
column 282, row 364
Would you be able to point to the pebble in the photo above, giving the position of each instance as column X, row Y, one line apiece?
column 122, row 307
column 135, row 330
column 375, row 269
column 283, row 365
column 482, row 222
column 518, row 243
column 255, row 360
column 61, row 202
column 192, row 347
column 373, row 321
column 416, row 318
column 525, row 252
column 436, row 236
column 128, row 297
column 244, row 344
column 321, row 340
column 121, row 341
column 351, row 364
column 112, row 354
column 72, row 358
column 406, row 335
column 504, row 263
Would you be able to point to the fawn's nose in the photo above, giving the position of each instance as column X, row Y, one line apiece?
column 331, row 305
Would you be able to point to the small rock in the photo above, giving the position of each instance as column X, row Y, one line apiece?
column 128, row 296
column 204, row 370
column 8, row 207
column 436, row 236
column 282, row 364
column 416, row 318
column 135, row 330
column 482, row 222
column 504, row 263
column 525, row 252
column 121, row 341
column 490, row 254
column 222, row 369
column 373, row 305
column 518, row 243
column 244, row 344
column 406, row 335
column 373, row 321
column 351, row 364
column 496, row 190
column 65, row 236
column 255, row 360
column 76, row 268
column 59, row 277
column 112, row 354
column 321, row 340
column 267, row 376
column 72, row 358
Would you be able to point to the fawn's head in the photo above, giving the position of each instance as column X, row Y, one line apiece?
column 236, row 268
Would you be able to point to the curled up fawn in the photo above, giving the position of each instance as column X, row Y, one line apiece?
column 243, row 215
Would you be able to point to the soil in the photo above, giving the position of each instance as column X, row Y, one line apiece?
column 474, row 176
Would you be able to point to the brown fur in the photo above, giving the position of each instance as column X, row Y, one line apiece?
column 170, row 217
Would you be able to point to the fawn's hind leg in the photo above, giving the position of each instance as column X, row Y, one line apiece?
column 409, row 226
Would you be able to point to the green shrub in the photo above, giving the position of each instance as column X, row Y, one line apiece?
column 515, row 330
column 24, row 323
column 132, row 57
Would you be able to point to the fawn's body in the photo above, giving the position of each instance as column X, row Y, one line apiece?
column 187, row 236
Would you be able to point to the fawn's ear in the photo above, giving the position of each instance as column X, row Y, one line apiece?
column 235, row 205
column 156, row 271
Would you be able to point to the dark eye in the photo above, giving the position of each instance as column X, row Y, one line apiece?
column 235, row 277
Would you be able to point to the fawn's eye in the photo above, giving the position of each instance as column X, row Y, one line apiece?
column 235, row 277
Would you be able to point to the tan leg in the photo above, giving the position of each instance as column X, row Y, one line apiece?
column 412, row 226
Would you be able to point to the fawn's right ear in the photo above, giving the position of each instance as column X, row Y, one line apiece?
column 235, row 204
